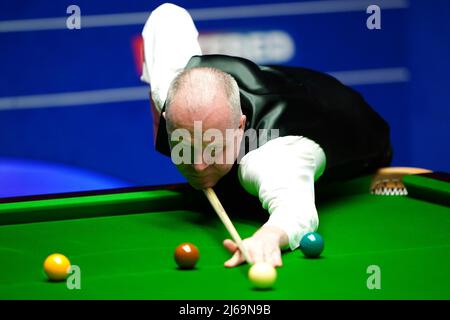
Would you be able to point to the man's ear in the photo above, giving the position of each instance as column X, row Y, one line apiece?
column 242, row 121
column 164, row 115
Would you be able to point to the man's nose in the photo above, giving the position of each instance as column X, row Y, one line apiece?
column 200, row 164
column 200, row 167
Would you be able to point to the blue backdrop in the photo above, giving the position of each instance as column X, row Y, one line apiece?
column 73, row 97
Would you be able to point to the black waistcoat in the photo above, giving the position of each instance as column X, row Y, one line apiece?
column 304, row 102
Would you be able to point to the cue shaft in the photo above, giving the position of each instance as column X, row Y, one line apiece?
column 215, row 203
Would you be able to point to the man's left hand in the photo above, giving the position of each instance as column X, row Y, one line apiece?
column 263, row 246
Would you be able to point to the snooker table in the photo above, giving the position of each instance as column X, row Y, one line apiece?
column 123, row 241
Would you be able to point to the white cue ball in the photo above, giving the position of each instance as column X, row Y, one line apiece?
column 262, row 275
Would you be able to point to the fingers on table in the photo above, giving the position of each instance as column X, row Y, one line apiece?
column 257, row 254
column 230, row 245
column 235, row 260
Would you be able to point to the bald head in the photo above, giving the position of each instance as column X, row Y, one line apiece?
column 203, row 94
column 205, row 124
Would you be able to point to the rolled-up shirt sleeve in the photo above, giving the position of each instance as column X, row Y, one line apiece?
column 282, row 174
column 170, row 39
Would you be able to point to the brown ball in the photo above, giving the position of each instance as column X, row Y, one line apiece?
column 186, row 255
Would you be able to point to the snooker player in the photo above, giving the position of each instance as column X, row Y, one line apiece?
column 323, row 128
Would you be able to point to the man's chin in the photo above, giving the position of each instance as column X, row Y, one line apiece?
column 203, row 185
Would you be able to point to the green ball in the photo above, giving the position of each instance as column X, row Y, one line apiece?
column 312, row 244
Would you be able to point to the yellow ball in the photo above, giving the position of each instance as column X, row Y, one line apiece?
column 262, row 275
column 56, row 267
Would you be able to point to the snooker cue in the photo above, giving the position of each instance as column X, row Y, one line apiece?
column 215, row 203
